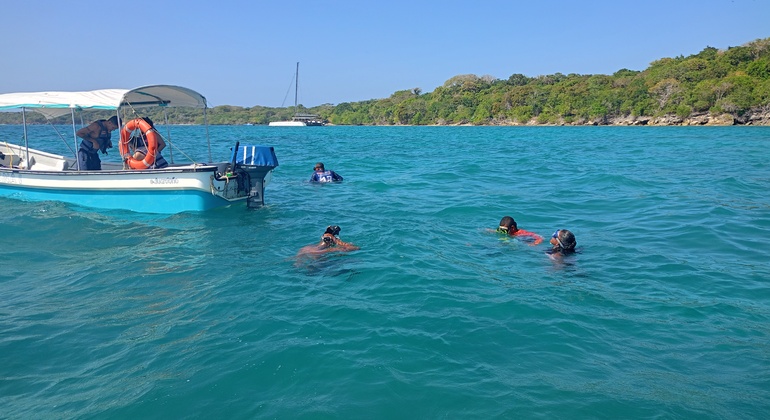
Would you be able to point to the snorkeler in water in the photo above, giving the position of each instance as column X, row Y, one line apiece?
column 563, row 243
column 321, row 174
column 509, row 227
column 330, row 242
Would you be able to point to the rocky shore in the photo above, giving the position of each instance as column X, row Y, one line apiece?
column 760, row 116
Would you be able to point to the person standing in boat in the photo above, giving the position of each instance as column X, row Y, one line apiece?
column 323, row 175
column 97, row 136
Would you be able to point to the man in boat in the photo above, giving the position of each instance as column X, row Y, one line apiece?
column 97, row 136
column 323, row 175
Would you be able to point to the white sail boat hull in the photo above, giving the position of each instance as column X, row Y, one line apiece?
column 299, row 120
column 287, row 124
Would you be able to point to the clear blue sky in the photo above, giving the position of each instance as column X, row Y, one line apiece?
column 244, row 52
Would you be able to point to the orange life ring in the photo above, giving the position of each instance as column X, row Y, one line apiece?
column 152, row 143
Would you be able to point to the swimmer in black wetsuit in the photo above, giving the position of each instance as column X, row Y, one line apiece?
column 323, row 175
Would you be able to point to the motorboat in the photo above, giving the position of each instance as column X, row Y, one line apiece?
column 32, row 174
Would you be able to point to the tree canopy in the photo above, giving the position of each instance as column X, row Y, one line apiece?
column 733, row 81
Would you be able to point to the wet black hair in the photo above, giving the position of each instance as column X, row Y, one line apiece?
column 508, row 222
column 334, row 230
column 568, row 240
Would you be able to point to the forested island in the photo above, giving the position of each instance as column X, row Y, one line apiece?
column 712, row 87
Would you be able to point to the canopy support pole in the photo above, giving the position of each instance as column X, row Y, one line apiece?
column 75, row 134
column 26, row 143
column 208, row 139
column 168, row 136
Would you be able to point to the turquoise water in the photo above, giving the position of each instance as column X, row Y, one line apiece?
column 664, row 313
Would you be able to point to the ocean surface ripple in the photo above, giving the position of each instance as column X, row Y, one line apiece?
column 663, row 313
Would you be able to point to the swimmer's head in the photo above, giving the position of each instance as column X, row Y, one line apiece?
column 328, row 239
column 319, row 166
column 507, row 225
column 329, row 236
column 564, row 240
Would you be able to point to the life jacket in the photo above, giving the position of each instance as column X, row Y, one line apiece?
column 326, row 176
column 104, row 134
column 104, row 139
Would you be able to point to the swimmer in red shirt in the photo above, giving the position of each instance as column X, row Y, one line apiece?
column 509, row 227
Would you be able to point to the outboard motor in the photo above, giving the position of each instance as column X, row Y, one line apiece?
column 252, row 164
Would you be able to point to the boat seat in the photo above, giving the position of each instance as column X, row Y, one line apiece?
column 56, row 165
column 10, row 160
column 42, row 164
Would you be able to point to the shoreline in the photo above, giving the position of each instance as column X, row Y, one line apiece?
column 760, row 118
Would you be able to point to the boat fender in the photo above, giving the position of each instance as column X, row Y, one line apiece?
column 152, row 143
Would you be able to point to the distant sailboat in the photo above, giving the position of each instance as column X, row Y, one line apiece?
column 299, row 120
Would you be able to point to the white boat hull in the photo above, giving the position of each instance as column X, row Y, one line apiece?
column 170, row 190
column 287, row 124
column 31, row 174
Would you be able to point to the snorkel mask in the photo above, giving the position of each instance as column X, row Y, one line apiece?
column 332, row 230
column 558, row 241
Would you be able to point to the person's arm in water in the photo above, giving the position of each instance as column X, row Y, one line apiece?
column 321, row 248
column 345, row 246
column 537, row 239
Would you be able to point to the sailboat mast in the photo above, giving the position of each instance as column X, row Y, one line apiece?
column 296, row 88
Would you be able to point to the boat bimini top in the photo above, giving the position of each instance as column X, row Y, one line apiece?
column 55, row 104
